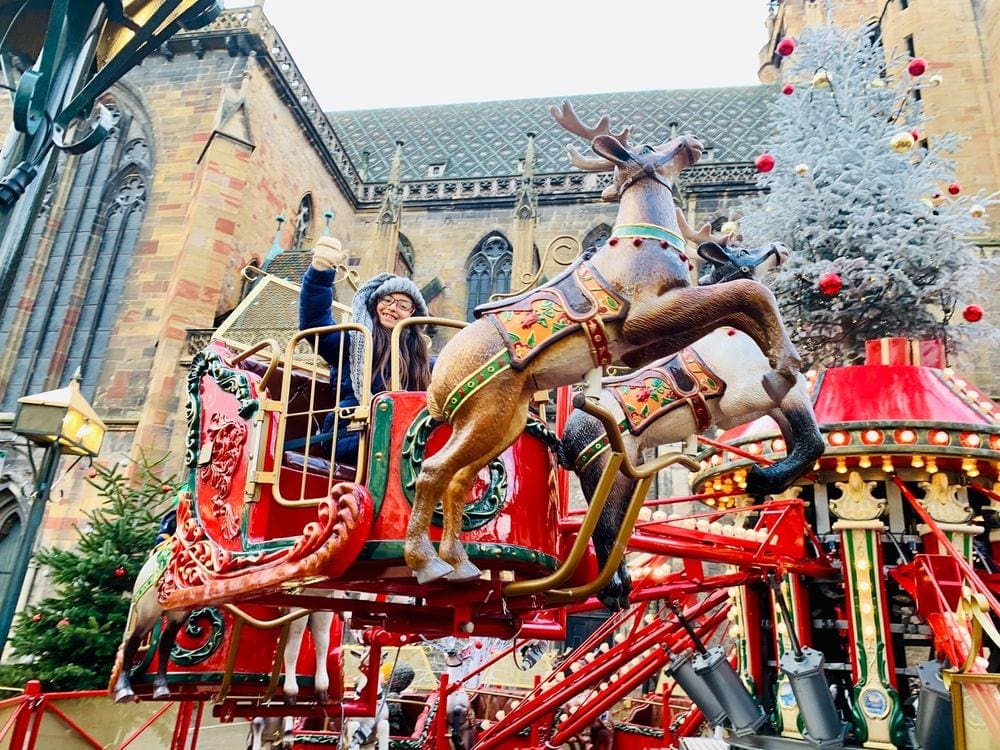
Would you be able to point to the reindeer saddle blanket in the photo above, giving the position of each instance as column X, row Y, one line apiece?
column 680, row 380
column 579, row 299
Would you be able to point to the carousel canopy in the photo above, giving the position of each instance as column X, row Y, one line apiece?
column 889, row 415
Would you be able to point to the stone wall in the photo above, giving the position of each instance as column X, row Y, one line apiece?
column 229, row 156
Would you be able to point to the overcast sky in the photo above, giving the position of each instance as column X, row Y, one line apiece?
column 398, row 53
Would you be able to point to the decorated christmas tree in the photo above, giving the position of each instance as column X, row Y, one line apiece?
column 68, row 640
column 879, row 229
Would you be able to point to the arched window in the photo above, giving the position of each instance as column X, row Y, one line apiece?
column 595, row 238
column 404, row 257
column 488, row 270
column 303, row 223
column 63, row 302
column 10, row 536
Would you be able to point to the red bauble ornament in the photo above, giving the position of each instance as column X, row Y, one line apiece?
column 478, row 644
column 119, row 571
column 917, row 66
column 973, row 313
column 92, row 474
column 764, row 163
column 916, row 134
column 786, row 46
column 166, row 488
column 829, row 284
column 787, row 89
column 63, row 623
column 954, row 188
column 36, row 617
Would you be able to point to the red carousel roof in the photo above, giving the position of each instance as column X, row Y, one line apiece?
column 886, row 393
column 879, row 393
column 908, row 411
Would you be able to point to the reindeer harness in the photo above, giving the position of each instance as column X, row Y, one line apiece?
column 577, row 301
column 667, row 237
column 646, row 395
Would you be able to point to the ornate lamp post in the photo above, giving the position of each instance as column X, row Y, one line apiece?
column 64, row 423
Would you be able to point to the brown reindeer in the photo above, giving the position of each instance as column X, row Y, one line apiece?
column 632, row 300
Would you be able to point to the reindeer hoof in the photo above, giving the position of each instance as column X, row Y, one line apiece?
column 434, row 569
column 464, row 571
column 124, row 694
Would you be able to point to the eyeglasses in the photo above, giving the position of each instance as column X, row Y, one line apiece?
column 403, row 304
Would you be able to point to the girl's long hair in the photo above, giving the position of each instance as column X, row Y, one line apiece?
column 415, row 365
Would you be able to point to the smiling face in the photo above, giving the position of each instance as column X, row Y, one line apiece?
column 392, row 308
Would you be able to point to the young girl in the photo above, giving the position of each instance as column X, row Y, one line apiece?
column 378, row 305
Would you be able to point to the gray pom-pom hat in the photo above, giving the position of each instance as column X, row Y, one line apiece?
column 363, row 312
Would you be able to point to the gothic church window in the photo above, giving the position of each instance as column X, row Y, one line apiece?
column 60, row 302
column 488, row 270
column 10, row 534
column 595, row 238
column 405, row 259
column 303, row 223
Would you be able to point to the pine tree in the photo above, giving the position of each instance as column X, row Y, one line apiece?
column 863, row 203
column 68, row 640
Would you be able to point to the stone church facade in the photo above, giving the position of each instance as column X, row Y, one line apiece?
column 138, row 252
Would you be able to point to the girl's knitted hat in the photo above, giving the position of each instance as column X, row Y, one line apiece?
column 363, row 312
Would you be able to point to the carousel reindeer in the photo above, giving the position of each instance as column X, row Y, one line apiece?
column 319, row 622
column 369, row 731
column 632, row 300
column 277, row 730
column 147, row 611
column 459, row 718
column 715, row 381
column 270, row 733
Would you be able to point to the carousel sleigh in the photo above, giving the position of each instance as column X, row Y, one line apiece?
column 269, row 517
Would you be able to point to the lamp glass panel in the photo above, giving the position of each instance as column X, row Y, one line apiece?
column 90, row 437
column 39, row 420
column 72, row 423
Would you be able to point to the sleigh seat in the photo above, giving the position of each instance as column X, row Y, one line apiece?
column 318, row 466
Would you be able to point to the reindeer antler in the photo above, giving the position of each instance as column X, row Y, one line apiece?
column 569, row 121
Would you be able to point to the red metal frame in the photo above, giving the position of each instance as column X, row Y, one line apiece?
column 22, row 728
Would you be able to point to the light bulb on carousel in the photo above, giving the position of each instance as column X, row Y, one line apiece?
column 970, row 467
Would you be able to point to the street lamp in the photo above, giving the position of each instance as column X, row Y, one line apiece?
column 64, row 423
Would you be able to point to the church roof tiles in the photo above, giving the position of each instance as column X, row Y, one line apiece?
column 488, row 139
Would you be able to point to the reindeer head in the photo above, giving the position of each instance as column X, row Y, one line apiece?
column 729, row 262
column 661, row 163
